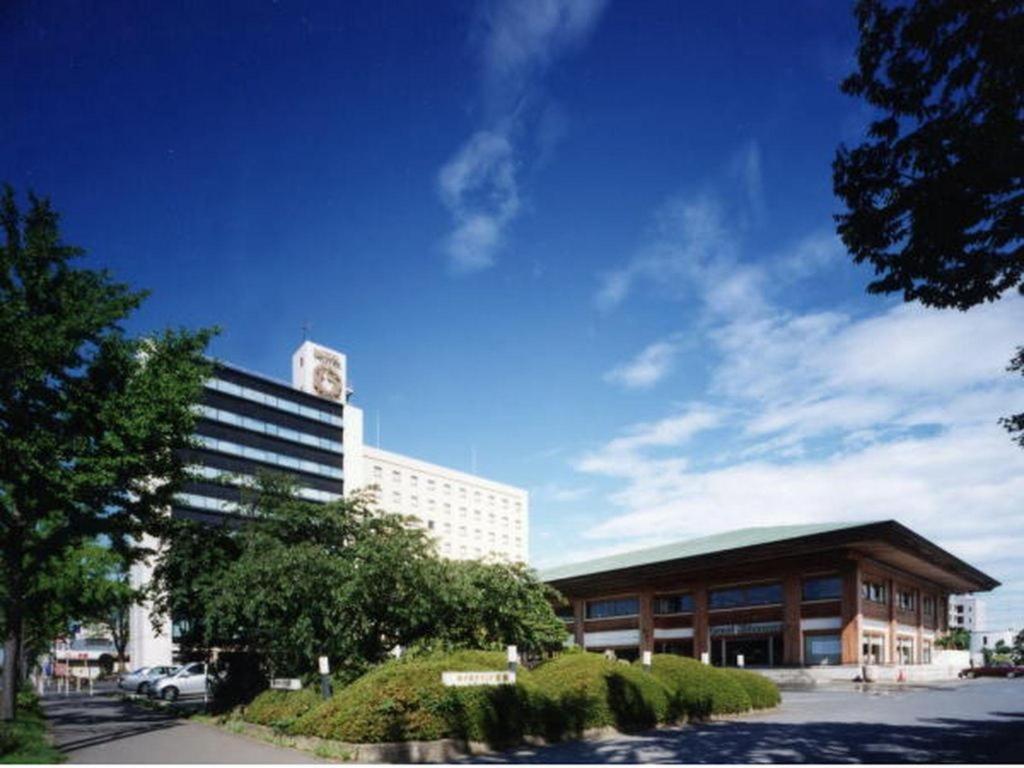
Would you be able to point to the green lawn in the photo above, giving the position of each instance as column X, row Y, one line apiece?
column 25, row 740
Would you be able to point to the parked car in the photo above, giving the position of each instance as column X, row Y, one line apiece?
column 999, row 669
column 139, row 680
column 189, row 680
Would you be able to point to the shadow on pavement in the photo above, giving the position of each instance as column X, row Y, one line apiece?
column 80, row 722
column 947, row 740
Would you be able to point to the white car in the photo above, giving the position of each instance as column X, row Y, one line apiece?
column 189, row 680
column 139, row 680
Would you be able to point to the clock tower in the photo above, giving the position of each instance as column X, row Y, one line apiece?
column 320, row 371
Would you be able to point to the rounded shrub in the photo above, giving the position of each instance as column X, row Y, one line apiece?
column 577, row 691
column 280, row 709
column 404, row 700
column 763, row 693
column 697, row 690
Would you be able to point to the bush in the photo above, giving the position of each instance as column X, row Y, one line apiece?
column 280, row 709
column 696, row 690
column 576, row 691
column 404, row 700
column 763, row 693
column 24, row 740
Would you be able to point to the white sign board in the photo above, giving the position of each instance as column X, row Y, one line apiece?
column 459, row 679
column 325, row 665
column 286, row 684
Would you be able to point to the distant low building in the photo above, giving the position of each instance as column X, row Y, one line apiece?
column 988, row 639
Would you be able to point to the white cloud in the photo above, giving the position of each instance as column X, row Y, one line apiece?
column 814, row 415
column 649, row 367
column 478, row 187
column 480, row 184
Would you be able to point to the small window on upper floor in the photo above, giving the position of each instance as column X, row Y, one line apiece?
column 823, row 588
column 378, row 473
column 873, row 591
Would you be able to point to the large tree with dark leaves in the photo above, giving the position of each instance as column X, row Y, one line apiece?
column 935, row 195
column 91, row 421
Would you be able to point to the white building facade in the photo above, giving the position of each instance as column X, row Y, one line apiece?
column 966, row 612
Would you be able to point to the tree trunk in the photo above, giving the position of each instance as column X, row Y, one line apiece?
column 12, row 663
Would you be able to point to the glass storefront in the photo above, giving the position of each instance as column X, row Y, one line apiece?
column 822, row 649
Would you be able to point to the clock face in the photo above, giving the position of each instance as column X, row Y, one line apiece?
column 327, row 382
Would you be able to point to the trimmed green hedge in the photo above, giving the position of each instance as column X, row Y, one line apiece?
column 281, row 709
column 577, row 691
column 697, row 690
column 404, row 700
column 763, row 693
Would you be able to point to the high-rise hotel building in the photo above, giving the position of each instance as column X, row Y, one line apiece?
column 310, row 430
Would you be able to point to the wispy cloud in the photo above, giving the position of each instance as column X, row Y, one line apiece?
column 480, row 185
column 650, row 366
column 810, row 414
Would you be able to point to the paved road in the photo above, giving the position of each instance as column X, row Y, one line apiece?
column 102, row 729
column 974, row 721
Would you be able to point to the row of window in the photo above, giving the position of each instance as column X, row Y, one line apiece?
column 235, row 478
column 874, row 649
column 266, row 428
column 906, row 599
column 446, row 509
column 280, row 403
column 446, row 488
column 824, row 588
column 269, row 457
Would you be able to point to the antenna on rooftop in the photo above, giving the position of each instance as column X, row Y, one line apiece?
column 306, row 325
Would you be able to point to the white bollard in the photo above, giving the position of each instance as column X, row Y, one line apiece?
column 647, row 661
column 705, row 658
column 740, row 660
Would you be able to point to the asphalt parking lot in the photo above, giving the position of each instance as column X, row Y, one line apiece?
column 975, row 721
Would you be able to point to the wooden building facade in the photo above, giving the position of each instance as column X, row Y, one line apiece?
column 787, row 595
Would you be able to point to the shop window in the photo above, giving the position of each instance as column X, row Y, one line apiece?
column 905, row 650
column 668, row 604
column 822, row 649
column 873, row 591
column 873, row 648
column 823, row 588
column 738, row 597
column 607, row 609
column 926, row 652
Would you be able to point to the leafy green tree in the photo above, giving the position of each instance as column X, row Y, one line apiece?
column 935, row 196
column 958, row 639
column 297, row 580
column 491, row 605
column 91, row 421
column 1018, row 648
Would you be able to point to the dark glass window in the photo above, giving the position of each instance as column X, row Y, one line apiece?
column 873, row 591
column 564, row 612
column 738, row 597
column 606, row 609
column 673, row 604
column 825, row 588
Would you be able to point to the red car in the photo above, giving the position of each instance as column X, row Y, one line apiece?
column 1000, row 669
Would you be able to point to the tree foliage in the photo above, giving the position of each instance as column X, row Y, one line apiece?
column 91, row 421
column 958, row 639
column 935, row 196
column 296, row 580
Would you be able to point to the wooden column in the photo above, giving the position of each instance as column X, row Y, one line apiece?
column 890, row 594
column 919, row 639
column 578, row 619
column 700, row 620
column 646, row 621
column 792, row 653
column 850, row 611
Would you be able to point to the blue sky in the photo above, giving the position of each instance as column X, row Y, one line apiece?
column 591, row 241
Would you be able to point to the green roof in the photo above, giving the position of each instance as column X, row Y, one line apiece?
column 706, row 545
